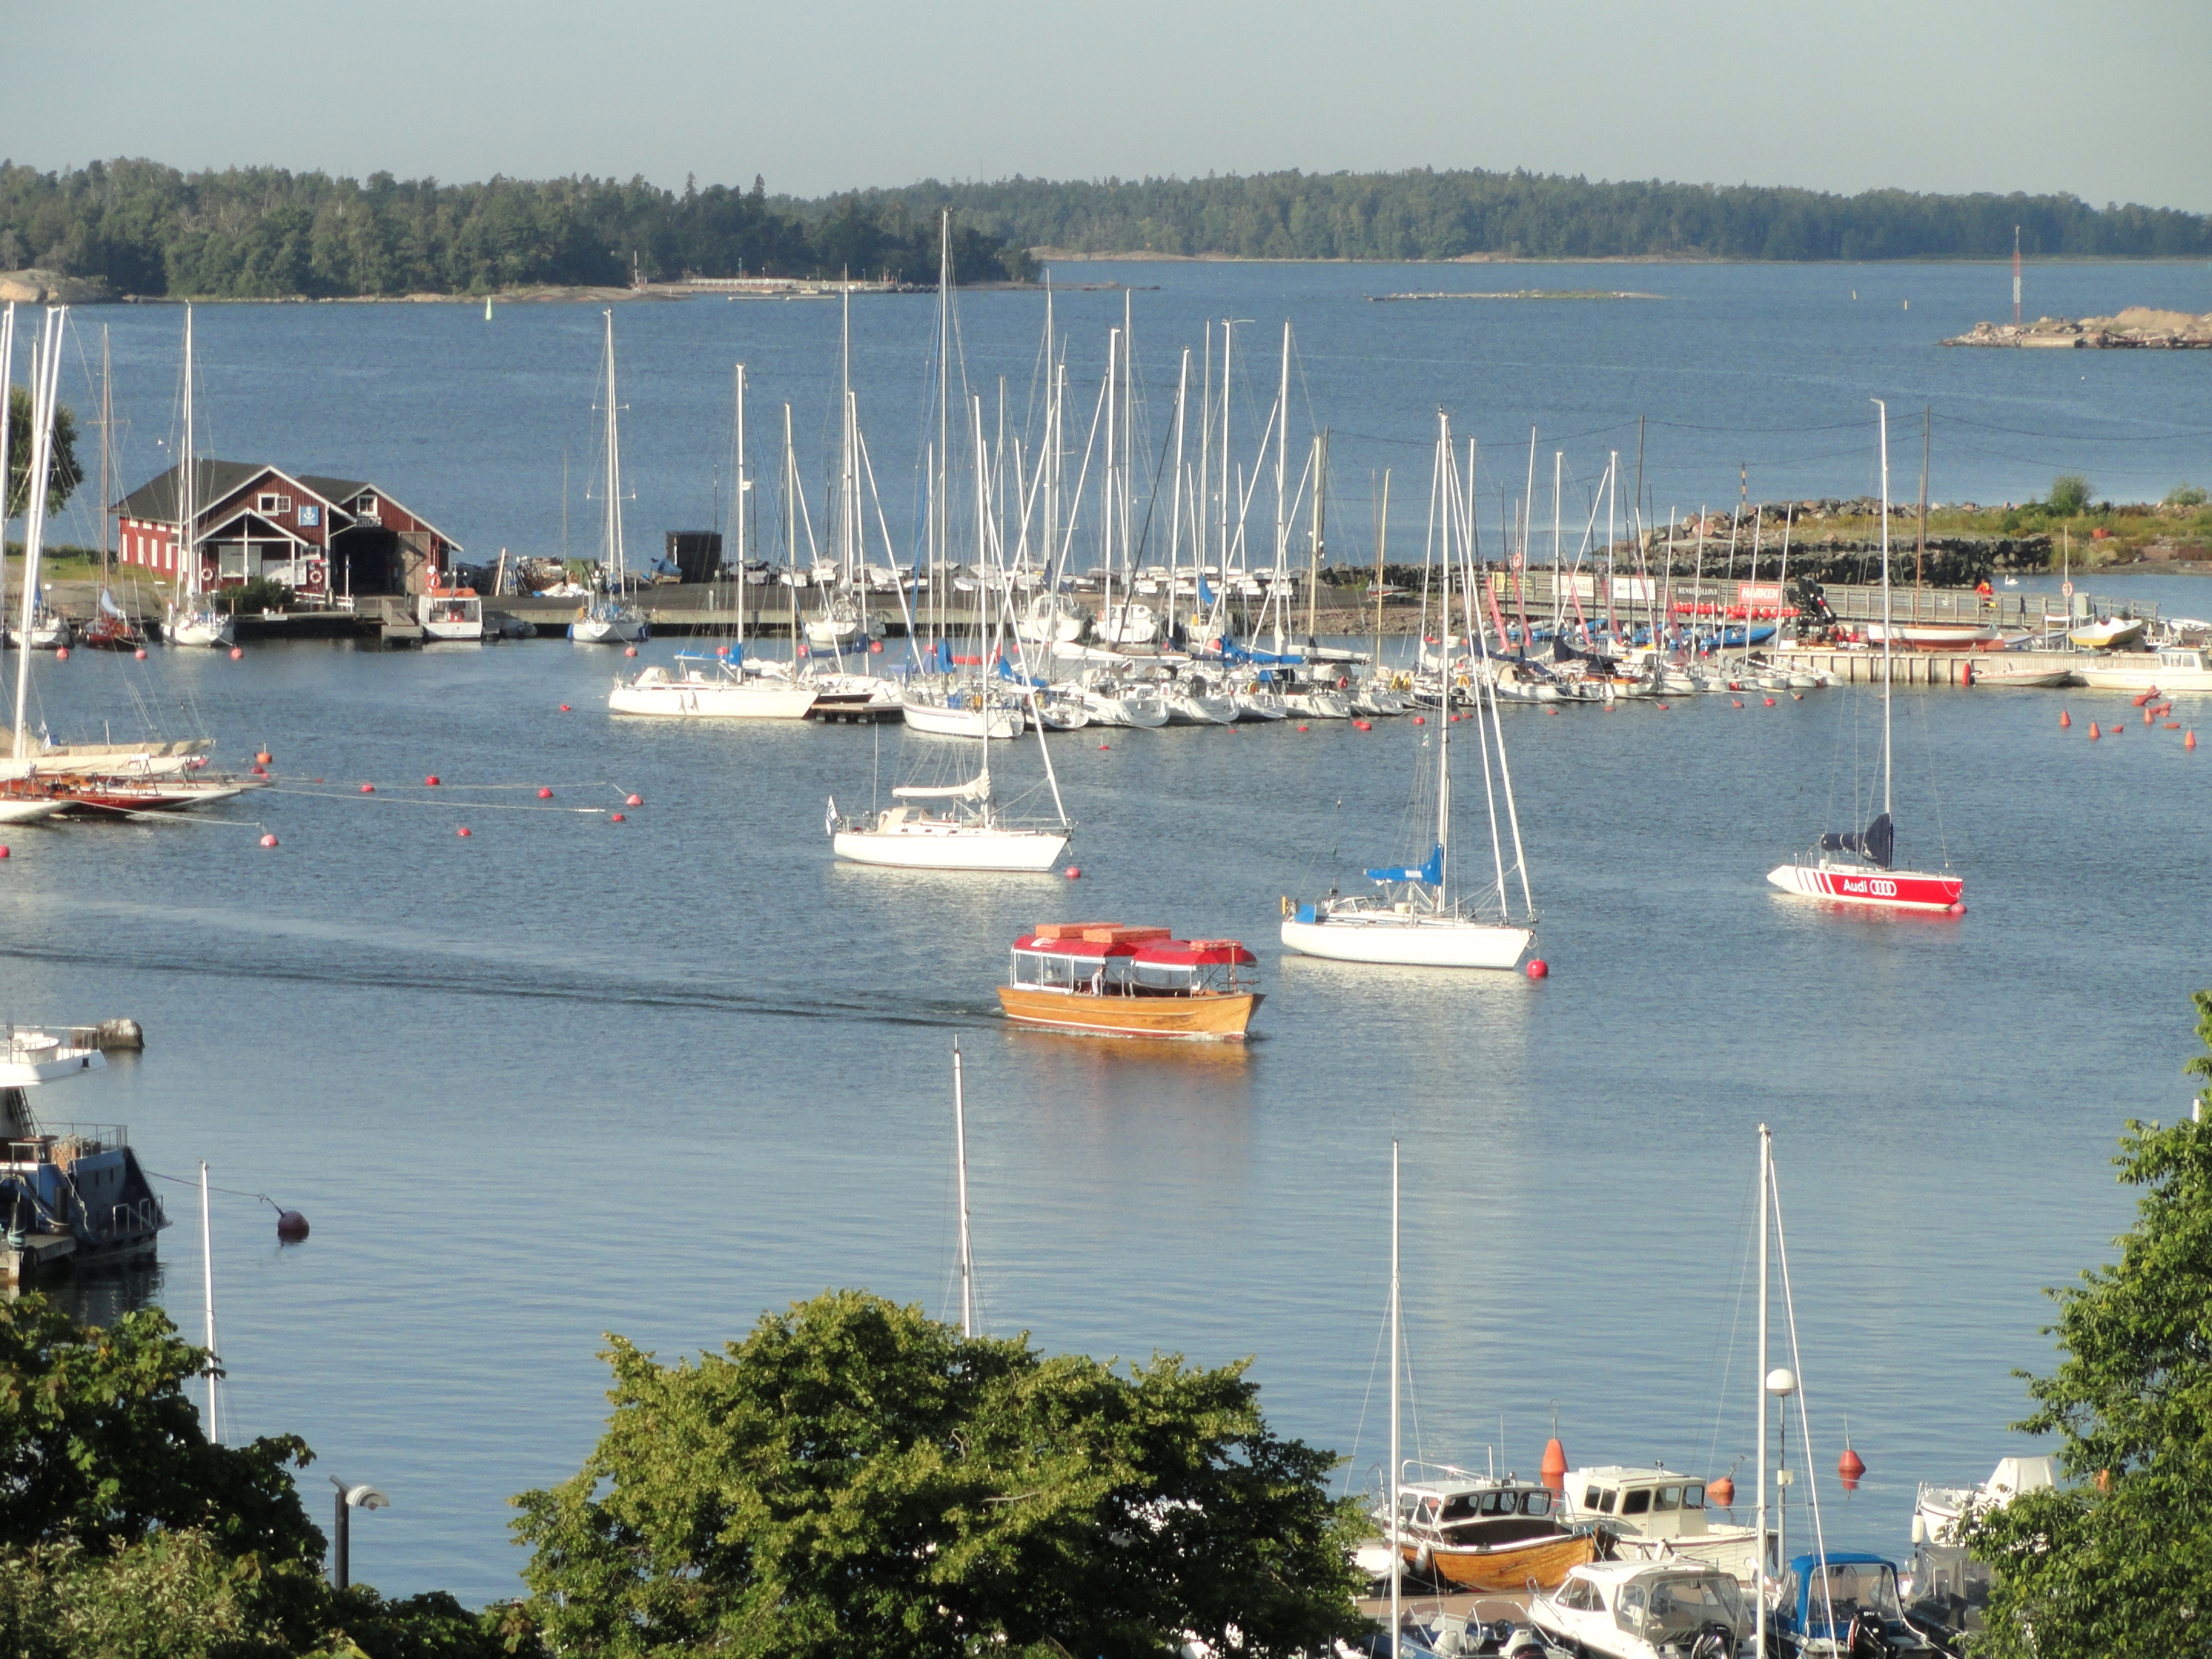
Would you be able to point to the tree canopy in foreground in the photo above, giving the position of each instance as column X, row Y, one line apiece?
column 854, row 1477
column 2120, row 1562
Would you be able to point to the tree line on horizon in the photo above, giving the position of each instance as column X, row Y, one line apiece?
column 1439, row 213
column 264, row 233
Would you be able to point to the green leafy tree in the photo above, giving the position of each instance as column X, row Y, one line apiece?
column 2186, row 494
column 99, row 1442
column 855, row 1477
column 64, row 476
column 2121, row 1561
column 2069, row 494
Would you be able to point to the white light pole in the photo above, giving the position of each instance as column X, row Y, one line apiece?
column 1781, row 1383
column 349, row 1499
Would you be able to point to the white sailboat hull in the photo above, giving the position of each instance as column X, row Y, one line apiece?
column 28, row 812
column 933, row 846
column 1185, row 709
column 607, row 630
column 997, row 721
column 712, row 700
column 201, row 627
column 1409, row 941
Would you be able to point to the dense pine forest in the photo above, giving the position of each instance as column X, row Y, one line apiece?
column 143, row 228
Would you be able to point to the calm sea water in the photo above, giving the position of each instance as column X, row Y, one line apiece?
column 567, row 1076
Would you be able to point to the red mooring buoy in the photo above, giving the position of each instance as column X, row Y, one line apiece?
column 269, row 841
column 1539, row 968
column 633, row 800
column 1555, row 1470
column 2065, row 719
column 1074, row 874
column 1722, row 1492
column 545, row 794
column 1850, row 1466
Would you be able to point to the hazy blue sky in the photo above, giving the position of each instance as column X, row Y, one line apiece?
column 2112, row 101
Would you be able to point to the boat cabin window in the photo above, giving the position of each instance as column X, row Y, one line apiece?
column 1598, row 1500
column 1580, row 1596
column 1669, row 1499
column 1676, row 1606
column 1693, row 1495
column 1635, row 1502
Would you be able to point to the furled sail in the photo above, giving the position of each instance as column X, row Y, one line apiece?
column 976, row 788
column 1877, row 842
column 1433, row 873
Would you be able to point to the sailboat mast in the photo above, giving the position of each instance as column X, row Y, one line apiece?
column 1445, row 465
column 1205, row 455
column 1320, row 527
column 1887, row 629
column 1397, row 1348
column 960, row 1156
column 46, row 380
column 941, row 526
column 613, row 468
column 741, row 488
column 207, row 1290
column 1758, row 1393
column 1221, row 522
column 1174, row 532
column 187, row 485
column 107, row 450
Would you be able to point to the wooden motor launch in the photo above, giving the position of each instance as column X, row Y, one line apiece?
column 1108, row 980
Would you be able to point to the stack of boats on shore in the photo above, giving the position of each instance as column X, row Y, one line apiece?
column 40, row 778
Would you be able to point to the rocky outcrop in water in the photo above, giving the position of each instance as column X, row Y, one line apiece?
column 2137, row 328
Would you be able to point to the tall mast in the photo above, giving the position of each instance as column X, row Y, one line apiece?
column 960, row 1156
column 45, row 378
column 188, row 483
column 1397, row 1348
column 1221, row 522
column 740, row 488
column 1128, row 433
column 107, row 449
column 1446, row 465
column 791, row 529
column 1887, row 630
column 1758, row 1393
column 1282, row 465
column 1205, row 455
column 613, row 531
column 207, row 1290
column 941, row 529
column 1320, row 527
column 1175, row 533
column 1111, row 496
column 7, row 382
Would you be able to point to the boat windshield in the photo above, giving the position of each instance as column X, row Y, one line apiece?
column 1850, row 1588
column 1469, row 1505
column 1662, row 1609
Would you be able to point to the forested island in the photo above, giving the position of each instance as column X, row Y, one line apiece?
column 136, row 228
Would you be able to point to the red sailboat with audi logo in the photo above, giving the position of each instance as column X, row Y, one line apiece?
column 1858, row 867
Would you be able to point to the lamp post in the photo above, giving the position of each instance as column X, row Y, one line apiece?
column 1781, row 1383
column 350, row 1498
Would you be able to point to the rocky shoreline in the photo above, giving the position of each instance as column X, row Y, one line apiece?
column 2138, row 328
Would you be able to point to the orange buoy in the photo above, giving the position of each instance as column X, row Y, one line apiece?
column 1363, row 725
column 2142, row 697
column 617, row 819
column 1539, row 968
column 2065, row 719
column 1105, row 746
column 235, row 653
column 462, row 830
column 633, row 800
column 1770, row 703
column 1423, row 719
column 2148, row 716
column 61, row 653
column 564, row 708
column 1555, row 1470
column 1303, row 728
column 368, row 789
column 1074, row 873
column 1661, row 708
column 430, row 783
column 1850, row 1466
column 141, row 653
column 545, row 794
column 264, row 757
column 269, row 841
column 2093, row 732
column 4, row 853
column 1722, row 1492
column 630, row 651
column 2173, row 726
column 1551, row 711
column 2116, row 730
column 1737, row 701
column 2188, row 740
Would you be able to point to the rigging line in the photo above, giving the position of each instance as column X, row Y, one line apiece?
column 235, row 1192
column 2170, row 434
column 1735, row 1321
column 1804, row 1420
column 1366, row 1399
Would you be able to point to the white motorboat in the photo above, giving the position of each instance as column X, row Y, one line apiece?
column 1645, row 1610
column 611, row 619
column 1656, row 1514
column 2025, row 670
column 1111, row 702
column 723, row 690
column 1319, row 704
column 956, row 711
column 1050, row 619
column 191, row 619
column 2173, row 669
column 1415, row 919
column 1127, row 622
column 2109, row 634
column 1936, row 1509
column 1188, row 705
column 1061, row 708
column 450, row 613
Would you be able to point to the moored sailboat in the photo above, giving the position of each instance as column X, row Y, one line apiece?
column 192, row 619
column 611, row 619
column 1859, row 867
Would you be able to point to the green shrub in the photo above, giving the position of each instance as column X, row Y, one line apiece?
column 249, row 597
column 2069, row 494
column 2186, row 494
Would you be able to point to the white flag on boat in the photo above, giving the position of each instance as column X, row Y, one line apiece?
column 830, row 818
column 107, row 603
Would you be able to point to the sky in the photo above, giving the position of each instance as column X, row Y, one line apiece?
column 2111, row 102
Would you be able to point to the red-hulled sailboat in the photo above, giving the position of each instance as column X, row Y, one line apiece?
column 1859, row 867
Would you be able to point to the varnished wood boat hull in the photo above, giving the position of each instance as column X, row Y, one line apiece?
column 1510, row 1567
column 1217, row 1020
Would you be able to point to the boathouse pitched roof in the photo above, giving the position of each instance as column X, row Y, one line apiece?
column 157, row 501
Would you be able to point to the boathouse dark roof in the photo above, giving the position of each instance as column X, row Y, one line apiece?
column 212, row 480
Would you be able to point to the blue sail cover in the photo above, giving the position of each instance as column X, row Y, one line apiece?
column 1205, row 593
column 1433, row 873
column 1006, row 672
